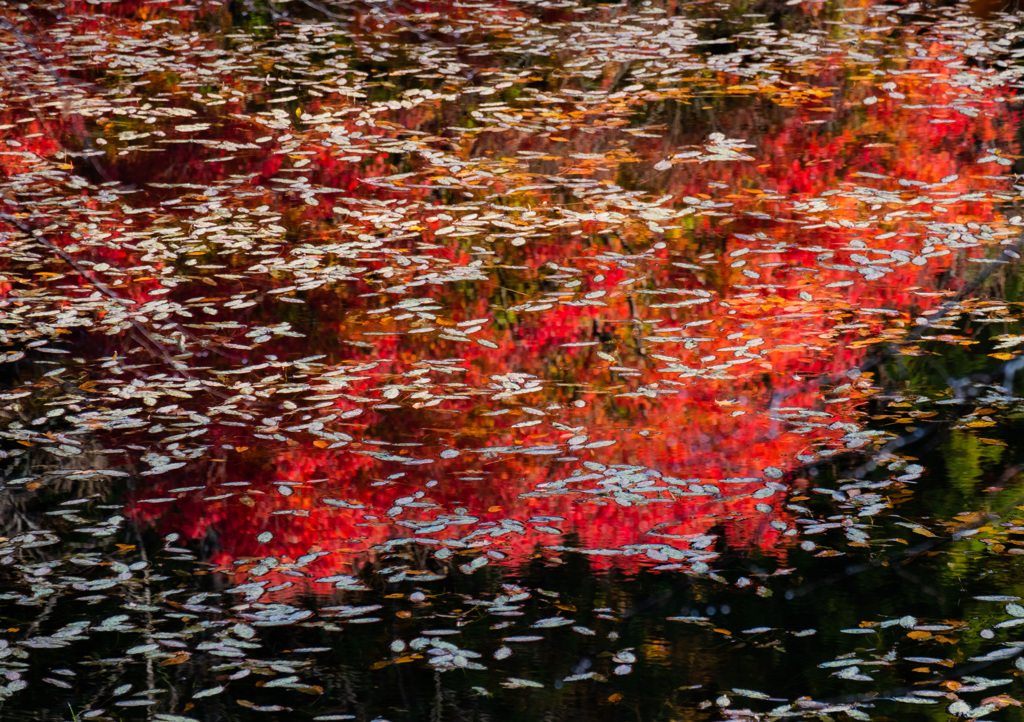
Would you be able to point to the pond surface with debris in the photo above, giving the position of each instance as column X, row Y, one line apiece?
column 511, row 360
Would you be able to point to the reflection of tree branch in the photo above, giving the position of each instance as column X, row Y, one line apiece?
column 87, row 143
column 906, row 554
column 892, row 349
column 870, row 458
column 84, row 138
column 145, row 337
column 919, row 583
column 947, row 307
column 965, row 388
column 467, row 73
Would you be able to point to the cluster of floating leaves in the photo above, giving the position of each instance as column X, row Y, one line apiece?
column 339, row 314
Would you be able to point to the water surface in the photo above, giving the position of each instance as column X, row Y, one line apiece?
column 510, row 360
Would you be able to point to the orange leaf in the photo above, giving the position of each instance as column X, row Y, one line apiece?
column 1001, row 700
column 176, row 659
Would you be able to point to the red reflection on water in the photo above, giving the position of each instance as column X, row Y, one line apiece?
column 714, row 410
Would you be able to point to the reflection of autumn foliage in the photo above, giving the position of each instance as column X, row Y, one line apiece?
column 505, row 509
column 695, row 338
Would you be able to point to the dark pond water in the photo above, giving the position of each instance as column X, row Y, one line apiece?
column 547, row 360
